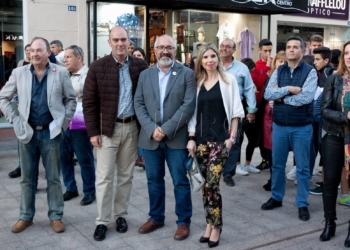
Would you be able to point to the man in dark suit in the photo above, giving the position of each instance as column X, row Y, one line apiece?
column 164, row 103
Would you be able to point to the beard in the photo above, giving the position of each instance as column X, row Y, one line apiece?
column 165, row 61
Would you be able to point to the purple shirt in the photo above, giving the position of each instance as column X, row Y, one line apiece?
column 246, row 38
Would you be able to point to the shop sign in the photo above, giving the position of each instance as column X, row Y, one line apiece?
column 332, row 9
column 285, row 5
column 12, row 37
column 72, row 8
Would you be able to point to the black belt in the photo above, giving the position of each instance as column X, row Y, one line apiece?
column 40, row 127
column 126, row 119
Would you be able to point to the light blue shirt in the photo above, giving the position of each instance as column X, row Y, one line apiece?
column 163, row 83
column 245, row 83
column 125, row 104
column 306, row 96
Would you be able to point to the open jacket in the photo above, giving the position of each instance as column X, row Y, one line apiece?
column 334, row 118
column 230, row 96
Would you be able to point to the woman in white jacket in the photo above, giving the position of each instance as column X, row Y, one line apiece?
column 212, row 131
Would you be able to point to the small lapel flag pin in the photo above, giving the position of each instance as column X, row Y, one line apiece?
column 174, row 73
column 53, row 69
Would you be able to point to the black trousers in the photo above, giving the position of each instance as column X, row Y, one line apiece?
column 333, row 163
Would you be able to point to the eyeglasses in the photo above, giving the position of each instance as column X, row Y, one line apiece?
column 226, row 47
column 168, row 48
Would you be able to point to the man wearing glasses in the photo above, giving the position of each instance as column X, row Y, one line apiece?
column 164, row 102
column 111, row 124
column 247, row 94
column 75, row 140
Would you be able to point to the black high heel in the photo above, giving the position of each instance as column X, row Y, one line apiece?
column 329, row 230
column 204, row 239
column 214, row 243
column 347, row 240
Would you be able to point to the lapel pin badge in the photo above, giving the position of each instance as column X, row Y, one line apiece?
column 174, row 73
column 53, row 69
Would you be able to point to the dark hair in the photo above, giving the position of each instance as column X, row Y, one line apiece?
column 302, row 44
column 309, row 59
column 141, row 51
column 335, row 56
column 316, row 38
column 77, row 51
column 325, row 52
column 264, row 42
column 43, row 39
column 28, row 45
column 57, row 42
column 249, row 62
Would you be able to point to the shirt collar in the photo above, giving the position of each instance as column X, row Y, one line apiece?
column 79, row 71
column 126, row 60
column 33, row 70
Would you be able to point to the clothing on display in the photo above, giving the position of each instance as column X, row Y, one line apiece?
column 225, row 31
column 246, row 39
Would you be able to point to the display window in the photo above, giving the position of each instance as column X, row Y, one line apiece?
column 192, row 27
column 109, row 15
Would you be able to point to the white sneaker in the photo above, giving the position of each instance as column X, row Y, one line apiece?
column 242, row 170
column 252, row 169
column 292, row 175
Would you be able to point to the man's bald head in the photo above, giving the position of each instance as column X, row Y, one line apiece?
column 118, row 28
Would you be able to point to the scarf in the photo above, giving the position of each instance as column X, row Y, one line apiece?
column 346, row 108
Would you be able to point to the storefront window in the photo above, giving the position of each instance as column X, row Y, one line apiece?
column 109, row 15
column 12, row 49
column 192, row 27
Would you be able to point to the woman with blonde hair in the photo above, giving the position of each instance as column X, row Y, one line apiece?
column 212, row 131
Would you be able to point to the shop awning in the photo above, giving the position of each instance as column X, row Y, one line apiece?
column 247, row 6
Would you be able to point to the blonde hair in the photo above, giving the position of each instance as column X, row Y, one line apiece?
column 201, row 73
column 279, row 56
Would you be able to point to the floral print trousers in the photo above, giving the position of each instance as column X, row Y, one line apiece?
column 211, row 157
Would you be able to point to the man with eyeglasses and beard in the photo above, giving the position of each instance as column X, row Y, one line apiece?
column 76, row 141
column 164, row 103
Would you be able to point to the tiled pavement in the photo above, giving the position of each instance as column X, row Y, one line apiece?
column 246, row 226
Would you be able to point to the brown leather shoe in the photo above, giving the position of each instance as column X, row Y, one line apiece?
column 20, row 226
column 57, row 226
column 149, row 226
column 182, row 232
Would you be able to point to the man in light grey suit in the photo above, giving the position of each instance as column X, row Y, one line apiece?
column 164, row 102
column 46, row 106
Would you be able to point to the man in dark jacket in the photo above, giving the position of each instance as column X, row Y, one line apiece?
column 110, row 120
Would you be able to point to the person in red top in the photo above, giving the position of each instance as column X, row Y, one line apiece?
column 262, row 68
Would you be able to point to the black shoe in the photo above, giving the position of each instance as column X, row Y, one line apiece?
column 214, row 243
column 263, row 165
column 88, row 199
column 122, row 226
column 267, row 186
column 100, row 232
column 319, row 184
column 304, row 214
column 329, row 230
column 317, row 190
column 271, row 204
column 347, row 240
column 70, row 195
column 204, row 239
column 15, row 173
column 229, row 181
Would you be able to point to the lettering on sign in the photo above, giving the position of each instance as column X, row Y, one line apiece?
column 334, row 9
column 72, row 8
column 10, row 37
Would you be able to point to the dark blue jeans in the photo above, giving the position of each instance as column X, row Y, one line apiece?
column 155, row 171
column 49, row 150
column 78, row 142
column 234, row 154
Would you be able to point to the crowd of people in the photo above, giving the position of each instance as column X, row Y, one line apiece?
column 134, row 114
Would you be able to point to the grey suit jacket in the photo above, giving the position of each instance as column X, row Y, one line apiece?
column 60, row 98
column 178, row 107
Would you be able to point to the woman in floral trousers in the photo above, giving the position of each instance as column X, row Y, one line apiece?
column 212, row 132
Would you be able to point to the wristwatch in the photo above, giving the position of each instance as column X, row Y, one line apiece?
column 233, row 139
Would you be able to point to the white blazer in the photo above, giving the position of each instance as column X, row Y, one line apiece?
column 230, row 96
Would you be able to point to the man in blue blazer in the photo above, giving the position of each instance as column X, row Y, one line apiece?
column 164, row 103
